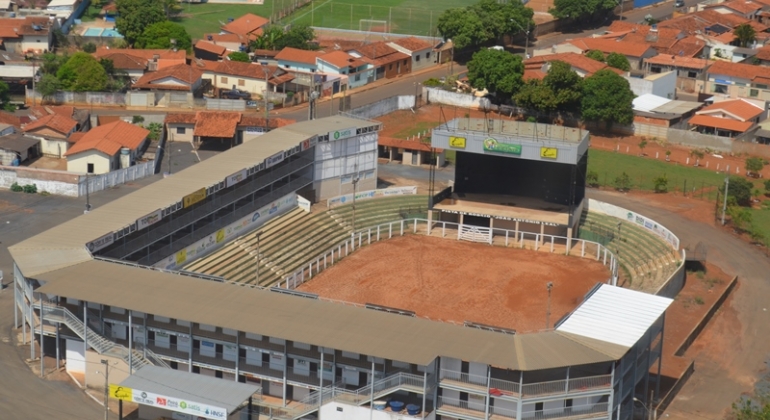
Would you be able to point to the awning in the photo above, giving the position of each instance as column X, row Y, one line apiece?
column 17, row 142
column 184, row 392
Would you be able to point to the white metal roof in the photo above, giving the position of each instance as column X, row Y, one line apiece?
column 615, row 315
column 55, row 3
column 648, row 102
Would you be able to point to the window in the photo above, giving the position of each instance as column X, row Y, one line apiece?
column 655, row 69
column 568, row 403
column 720, row 88
column 180, row 130
column 90, row 168
column 241, row 82
column 404, row 62
column 417, row 58
column 754, row 93
column 390, row 67
column 223, row 80
column 539, row 407
column 427, row 55
column 358, row 77
column 758, row 86
column 692, row 74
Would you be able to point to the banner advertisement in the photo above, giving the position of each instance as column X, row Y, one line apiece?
column 193, row 198
column 366, row 195
column 168, row 403
column 636, row 218
column 492, row 145
column 457, row 142
column 511, row 219
column 549, row 152
column 149, row 220
column 274, row 160
column 235, row 178
column 303, row 204
column 102, row 242
column 222, row 236
column 342, row 134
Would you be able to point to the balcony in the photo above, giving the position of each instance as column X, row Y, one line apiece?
column 475, row 411
column 470, row 410
column 582, row 412
column 499, row 388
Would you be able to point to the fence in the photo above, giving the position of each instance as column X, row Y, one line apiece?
column 383, row 107
column 367, row 17
column 693, row 188
column 464, row 100
column 94, row 183
column 503, row 237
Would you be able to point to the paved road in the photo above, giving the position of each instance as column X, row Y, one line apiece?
column 719, row 379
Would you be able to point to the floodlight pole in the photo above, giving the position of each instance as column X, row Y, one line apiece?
column 549, row 286
column 267, row 109
column 106, row 389
column 724, row 205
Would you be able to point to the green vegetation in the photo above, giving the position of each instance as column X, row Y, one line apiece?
column 748, row 409
column 483, row 22
column 754, row 165
column 82, row 73
column 274, row 38
column 159, row 36
column 618, row 61
column 560, row 90
column 29, row 188
column 596, row 55
column 497, row 71
column 5, row 97
column 134, row 16
column 607, row 97
column 590, row 10
column 760, row 225
column 745, row 34
column 239, row 56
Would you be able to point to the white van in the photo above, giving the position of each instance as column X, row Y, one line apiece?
column 497, row 47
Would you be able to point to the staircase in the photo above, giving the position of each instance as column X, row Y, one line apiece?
column 100, row 344
column 475, row 234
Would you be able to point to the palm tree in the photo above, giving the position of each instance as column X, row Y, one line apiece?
column 745, row 34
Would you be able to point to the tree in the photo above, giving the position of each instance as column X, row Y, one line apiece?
column 560, row 90
column 172, row 8
column 618, row 61
column 299, row 36
column 82, row 73
column 596, row 55
column 464, row 29
column 48, row 85
column 499, row 72
column 5, row 97
column 739, row 189
column 754, row 165
column 642, row 145
column 607, row 97
column 89, row 47
column 697, row 155
column 745, row 34
column 661, row 184
column 159, row 36
column 589, row 10
column 52, row 62
column 134, row 16
column 740, row 217
column 623, row 182
column 269, row 39
column 537, row 96
column 239, row 56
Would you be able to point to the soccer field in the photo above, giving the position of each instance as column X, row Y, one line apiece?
column 415, row 17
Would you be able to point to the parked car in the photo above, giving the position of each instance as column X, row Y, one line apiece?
column 679, row 3
column 235, row 94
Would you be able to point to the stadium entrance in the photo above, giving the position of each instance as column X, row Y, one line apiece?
column 512, row 176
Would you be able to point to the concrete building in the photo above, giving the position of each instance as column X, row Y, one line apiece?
column 99, row 150
column 660, row 84
column 729, row 118
column 233, row 127
column 420, row 50
column 28, row 34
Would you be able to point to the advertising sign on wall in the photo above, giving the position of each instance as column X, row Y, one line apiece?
column 149, row 220
column 492, row 145
column 636, row 218
column 235, row 178
column 549, row 152
column 342, row 134
column 193, row 198
column 457, row 142
column 217, row 239
column 101, row 243
column 303, row 204
column 366, row 195
column 274, row 160
column 169, row 403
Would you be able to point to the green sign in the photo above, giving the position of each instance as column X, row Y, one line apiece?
column 492, row 145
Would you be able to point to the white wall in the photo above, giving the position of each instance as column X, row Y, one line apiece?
column 465, row 100
column 75, row 356
column 79, row 162
column 224, row 81
column 332, row 411
column 663, row 85
column 174, row 136
column 53, row 147
column 343, row 160
column 8, row 176
column 449, row 363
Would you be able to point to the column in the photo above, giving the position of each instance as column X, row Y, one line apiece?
column 144, row 340
column 42, row 341
column 321, row 370
column 660, row 354
column 58, row 327
column 569, row 239
column 15, row 298
column 190, row 350
column 516, row 231
column 371, row 393
column 85, row 341
column 31, row 311
column 424, row 390
column 519, row 404
column 487, row 396
column 285, row 367
column 542, row 232
column 130, row 343
column 611, row 400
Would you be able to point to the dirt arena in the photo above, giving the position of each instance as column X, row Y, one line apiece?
column 452, row 280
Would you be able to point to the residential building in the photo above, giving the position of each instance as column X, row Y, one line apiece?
column 359, row 72
column 293, row 59
column 7, row 6
column 55, row 132
column 742, row 8
column 537, row 67
column 708, row 20
column 62, row 8
column 136, row 62
column 15, row 147
column 249, row 26
column 660, row 84
column 409, row 152
column 29, row 34
column 388, row 62
column 206, row 50
column 688, row 70
column 737, row 80
column 81, row 116
column 762, row 57
column 420, row 50
column 233, row 42
column 655, row 110
column 249, row 77
column 179, row 78
column 229, row 127
column 635, row 52
column 16, row 71
column 107, row 147
column 729, row 118
column 10, row 119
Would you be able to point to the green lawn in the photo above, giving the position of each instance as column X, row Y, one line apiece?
column 415, row 17
column 760, row 219
column 609, row 165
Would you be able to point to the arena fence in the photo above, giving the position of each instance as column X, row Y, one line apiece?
column 500, row 237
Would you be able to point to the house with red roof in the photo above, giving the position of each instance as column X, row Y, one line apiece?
column 233, row 42
column 736, row 80
column 537, row 67
column 55, row 130
column 182, row 83
column 230, row 127
column 206, row 50
column 420, row 50
column 729, row 118
column 635, row 52
column 688, row 70
column 136, row 62
column 389, row 62
column 358, row 71
column 28, row 34
column 249, row 26
column 98, row 151
column 249, row 77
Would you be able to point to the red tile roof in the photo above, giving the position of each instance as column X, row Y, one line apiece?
column 181, row 72
column 533, row 74
column 180, row 118
column 110, row 138
column 254, row 121
column 632, row 49
column 246, row 25
column 240, row 69
column 298, row 56
column 229, row 38
column 341, row 59
column 677, row 61
column 413, row 44
column 740, row 70
column 763, row 53
column 16, row 27
column 721, row 123
column 209, row 47
column 216, row 123
column 575, row 60
column 737, row 108
column 41, row 111
column 741, row 6
column 75, row 137
column 10, row 119
column 135, row 59
column 55, row 122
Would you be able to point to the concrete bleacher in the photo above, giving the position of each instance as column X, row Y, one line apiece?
column 288, row 242
column 645, row 258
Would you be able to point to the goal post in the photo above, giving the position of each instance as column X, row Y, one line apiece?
column 373, row 25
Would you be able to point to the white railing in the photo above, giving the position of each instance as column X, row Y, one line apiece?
column 579, row 411
column 509, row 388
column 468, row 378
column 508, row 238
column 474, row 234
column 451, row 405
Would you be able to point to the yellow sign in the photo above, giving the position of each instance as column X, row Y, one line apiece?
column 220, row 235
column 181, row 257
column 193, row 198
column 549, row 152
column 457, row 142
column 121, row 392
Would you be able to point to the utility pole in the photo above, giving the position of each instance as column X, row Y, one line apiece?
column 724, row 206
column 549, row 286
column 355, row 184
column 313, row 97
column 88, row 198
column 105, row 362
column 267, row 109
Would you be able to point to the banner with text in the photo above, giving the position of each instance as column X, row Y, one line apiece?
column 168, row 403
column 222, row 236
column 303, row 203
column 636, row 218
column 367, row 195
